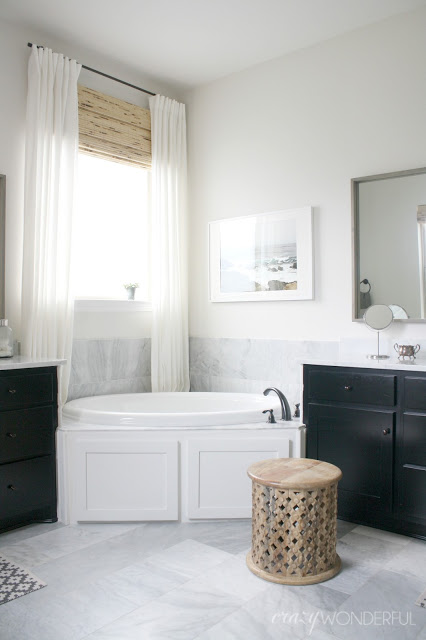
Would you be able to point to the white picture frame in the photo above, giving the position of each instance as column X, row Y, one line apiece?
column 262, row 257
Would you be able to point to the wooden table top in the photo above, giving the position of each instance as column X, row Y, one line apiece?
column 294, row 473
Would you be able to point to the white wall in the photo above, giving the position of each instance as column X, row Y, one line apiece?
column 293, row 132
column 14, row 54
column 283, row 134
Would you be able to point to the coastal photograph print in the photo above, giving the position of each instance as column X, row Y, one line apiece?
column 260, row 257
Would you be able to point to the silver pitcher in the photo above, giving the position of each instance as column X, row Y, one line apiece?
column 406, row 350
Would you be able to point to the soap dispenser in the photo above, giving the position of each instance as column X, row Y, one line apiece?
column 6, row 339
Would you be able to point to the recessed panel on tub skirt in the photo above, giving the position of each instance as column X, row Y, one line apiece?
column 218, row 485
column 119, row 481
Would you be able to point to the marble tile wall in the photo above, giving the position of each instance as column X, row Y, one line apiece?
column 216, row 364
column 110, row 366
column 249, row 366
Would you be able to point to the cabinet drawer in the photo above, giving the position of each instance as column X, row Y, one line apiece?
column 26, row 433
column 365, row 388
column 25, row 486
column 27, row 389
column 415, row 393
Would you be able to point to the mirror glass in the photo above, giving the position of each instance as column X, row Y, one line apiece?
column 398, row 312
column 2, row 242
column 378, row 317
column 389, row 243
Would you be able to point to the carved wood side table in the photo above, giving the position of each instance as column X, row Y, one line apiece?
column 294, row 520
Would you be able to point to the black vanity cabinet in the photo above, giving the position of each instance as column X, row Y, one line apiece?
column 372, row 424
column 28, row 420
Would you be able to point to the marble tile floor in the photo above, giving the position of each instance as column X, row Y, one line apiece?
column 179, row 581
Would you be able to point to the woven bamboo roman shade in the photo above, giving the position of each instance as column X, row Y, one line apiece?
column 113, row 129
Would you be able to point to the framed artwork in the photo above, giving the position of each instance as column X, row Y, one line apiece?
column 262, row 257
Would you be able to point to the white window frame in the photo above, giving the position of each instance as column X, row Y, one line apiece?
column 97, row 305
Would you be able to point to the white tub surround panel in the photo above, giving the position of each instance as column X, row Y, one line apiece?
column 154, row 469
column 110, row 366
column 119, row 469
column 250, row 366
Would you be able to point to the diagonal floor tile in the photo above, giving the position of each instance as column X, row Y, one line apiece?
column 29, row 531
column 190, row 558
column 367, row 549
column 344, row 527
column 354, row 573
column 181, row 614
column 284, row 607
column 383, row 608
column 411, row 560
column 232, row 577
column 380, row 534
column 141, row 583
column 232, row 536
column 60, row 542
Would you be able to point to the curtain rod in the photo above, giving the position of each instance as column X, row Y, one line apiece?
column 100, row 73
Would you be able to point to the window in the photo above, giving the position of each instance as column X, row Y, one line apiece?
column 111, row 229
column 111, row 246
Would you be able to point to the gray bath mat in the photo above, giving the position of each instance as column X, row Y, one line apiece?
column 16, row 581
column 421, row 600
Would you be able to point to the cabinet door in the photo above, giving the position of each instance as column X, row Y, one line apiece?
column 411, row 468
column 360, row 443
column 217, row 484
column 123, row 479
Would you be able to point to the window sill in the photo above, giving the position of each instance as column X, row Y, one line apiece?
column 111, row 305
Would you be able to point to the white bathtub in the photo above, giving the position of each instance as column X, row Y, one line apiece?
column 166, row 456
column 164, row 410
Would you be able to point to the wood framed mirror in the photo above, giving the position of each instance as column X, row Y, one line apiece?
column 389, row 242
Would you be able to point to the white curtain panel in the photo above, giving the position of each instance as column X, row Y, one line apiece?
column 50, row 166
column 169, row 346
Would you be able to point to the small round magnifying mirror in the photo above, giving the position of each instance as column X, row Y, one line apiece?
column 378, row 317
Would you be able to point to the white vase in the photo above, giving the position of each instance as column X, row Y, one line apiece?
column 131, row 293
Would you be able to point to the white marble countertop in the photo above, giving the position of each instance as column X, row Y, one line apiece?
column 69, row 425
column 25, row 362
column 419, row 363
